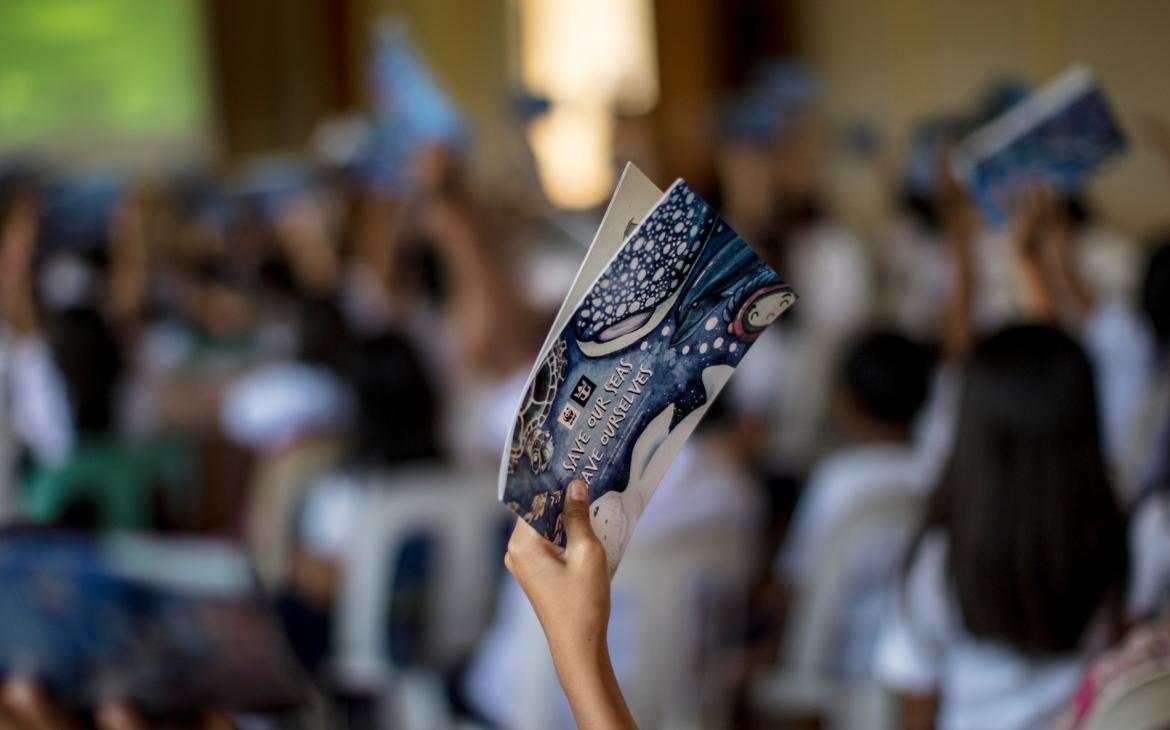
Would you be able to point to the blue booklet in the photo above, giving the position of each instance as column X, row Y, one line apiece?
column 175, row 626
column 667, row 302
column 1058, row 135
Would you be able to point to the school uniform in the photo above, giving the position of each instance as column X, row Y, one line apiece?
column 924, row 649
column 840, row 485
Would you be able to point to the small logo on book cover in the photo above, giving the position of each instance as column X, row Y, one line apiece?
column 582, row 391
column 569, row 416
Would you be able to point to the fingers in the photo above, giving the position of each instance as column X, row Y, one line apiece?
column 28, row 706
column 118, row 716
column 529, row 554
column 575, row 515
column 528, row 551
column 583, row 545
column 217, row 721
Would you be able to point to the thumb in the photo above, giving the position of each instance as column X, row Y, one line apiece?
column 575, row 515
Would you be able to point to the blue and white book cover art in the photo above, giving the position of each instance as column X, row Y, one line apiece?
column 652, row 330
column 1059, row 135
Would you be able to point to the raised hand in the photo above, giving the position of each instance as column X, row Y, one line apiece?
column 1038, row 229
column 18, row 234
column 569, row 590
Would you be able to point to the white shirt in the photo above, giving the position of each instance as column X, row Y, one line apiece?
column 784, row 377
column 915, row 265
column 923, row 648
column 1109, row 261
column 842, row 484
column 273, row 405
column 328, row 513
column 1149, row 555
column 1120, row 343
column 704, row 488
column 40, row 413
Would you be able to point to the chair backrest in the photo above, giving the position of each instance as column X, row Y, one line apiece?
column 277, row 485
column 1141, row 438
column 1143, row 704
column 684, row 598
column 459, row 514
column 123, row 482
column 881, row 526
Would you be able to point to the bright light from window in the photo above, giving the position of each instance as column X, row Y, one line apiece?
column 590, row 58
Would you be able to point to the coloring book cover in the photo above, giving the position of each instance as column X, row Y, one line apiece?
column 668, row 301
column 1059, row 135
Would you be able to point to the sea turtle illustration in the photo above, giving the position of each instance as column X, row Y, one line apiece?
column 528, row 435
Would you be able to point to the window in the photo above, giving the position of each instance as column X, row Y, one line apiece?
column 589, row 58
column 102, row 79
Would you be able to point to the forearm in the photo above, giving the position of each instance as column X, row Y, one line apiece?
column 483, row 301
column 587, row 676
column 1036, row 291
column 919, row 711
column 1079, row 295
column 957, row 324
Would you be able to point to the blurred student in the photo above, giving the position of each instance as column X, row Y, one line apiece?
column 1148, row 464
column 397, row 425
column 106, row 481
column 911, row 252
column 780, row 205
column 286, row 400
column 34, row 410
column 1149, row 593
column 1017, row 576
column 1131, row 348
column 293, row 414
column 1110, row 260
column 884, row 382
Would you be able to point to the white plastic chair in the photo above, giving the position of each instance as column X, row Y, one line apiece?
column 278, row 483
column 803, row 682
column 688, row 601
column 459, row 514
column 1143, row 704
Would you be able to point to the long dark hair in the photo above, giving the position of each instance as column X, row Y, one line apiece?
column 90, row 361
column 1036, row 538
column 398, row 411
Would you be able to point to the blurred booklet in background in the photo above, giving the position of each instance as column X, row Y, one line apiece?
column 174, row 626
column 1060, row 135
column 666, row 303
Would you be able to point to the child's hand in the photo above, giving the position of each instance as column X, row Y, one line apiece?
column 1033, row 215
column 1040, row 236
column 1042, row 228
column 569, row 588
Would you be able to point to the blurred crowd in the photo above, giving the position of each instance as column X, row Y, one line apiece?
column 946, row 471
